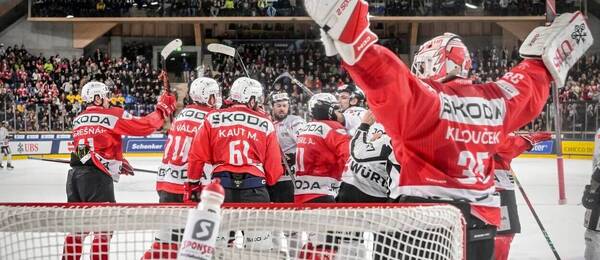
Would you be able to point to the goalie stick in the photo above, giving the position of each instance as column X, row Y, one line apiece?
column 68, row 162
column 229, row 51
column 535, row 216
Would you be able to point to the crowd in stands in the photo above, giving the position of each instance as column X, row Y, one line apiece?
column 41, row 93
column 118, row 8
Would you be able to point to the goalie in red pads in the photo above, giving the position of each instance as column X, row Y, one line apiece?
column 98, row 160
column 434, row 111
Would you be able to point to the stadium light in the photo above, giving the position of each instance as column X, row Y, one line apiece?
column 472, row 6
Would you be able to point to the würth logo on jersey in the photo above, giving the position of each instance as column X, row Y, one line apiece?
column 472, row 110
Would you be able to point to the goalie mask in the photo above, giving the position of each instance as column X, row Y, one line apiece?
column 244, row 89
column 322, row 106
column 90, row 90
column 442, row 58
column 202, row 89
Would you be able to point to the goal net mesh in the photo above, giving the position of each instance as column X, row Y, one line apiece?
column 247, row 231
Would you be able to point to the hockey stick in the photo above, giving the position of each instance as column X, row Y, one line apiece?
column 229, row 51
column 164, row 53
column 562, row 197
column 68, row 162
column 535, row 216
column 295, row 81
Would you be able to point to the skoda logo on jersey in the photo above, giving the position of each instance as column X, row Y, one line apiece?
column 472, row 110
column 203, row 230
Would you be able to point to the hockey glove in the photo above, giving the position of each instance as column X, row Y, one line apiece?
column 126, row 168
column 537, row 137
column 347, row 23
column 166, row 105
column 591, row 194
column 191, row 191
column 559, row 45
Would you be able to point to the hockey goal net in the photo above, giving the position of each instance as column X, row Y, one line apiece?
column 247, row 231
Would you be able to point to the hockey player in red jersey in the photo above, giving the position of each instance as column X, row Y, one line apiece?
column 241, row 143
column 445, row 130
column 511, row 147
column 322, row 152
column 98, row 160
column 172, row 173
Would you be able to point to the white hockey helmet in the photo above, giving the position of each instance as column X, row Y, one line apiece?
column 203, row 88
column 244, row 88
column 322, row 106
column 442, row 57
column 282, row 96
column 92, row 89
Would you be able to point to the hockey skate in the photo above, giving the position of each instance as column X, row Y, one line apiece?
column 2, row 166
column 9, row 166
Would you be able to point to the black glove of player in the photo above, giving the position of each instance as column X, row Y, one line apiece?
column 590, row 198
column 591, row 193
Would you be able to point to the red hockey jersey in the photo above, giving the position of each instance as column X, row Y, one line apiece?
column 511, row 147
column 321, row 155
column 236, row 139
column 101, row 129
column 173, row 171
column 448, row 133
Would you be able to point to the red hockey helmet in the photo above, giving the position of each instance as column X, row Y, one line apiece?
column 442, row 57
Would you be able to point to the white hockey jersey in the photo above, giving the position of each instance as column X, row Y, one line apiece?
column 3, row 136
column 370, row 163
column 287, row 132
column 352, row 118
column 287, row 135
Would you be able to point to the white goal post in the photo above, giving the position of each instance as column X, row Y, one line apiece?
column 247, row 231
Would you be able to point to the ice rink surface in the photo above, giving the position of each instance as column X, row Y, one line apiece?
column 38, row 181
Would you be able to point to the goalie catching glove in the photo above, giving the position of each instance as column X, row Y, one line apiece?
column 346, row 27
column 559, row 45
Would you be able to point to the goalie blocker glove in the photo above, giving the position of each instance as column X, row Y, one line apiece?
column 559, row 45
column 346, row 27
